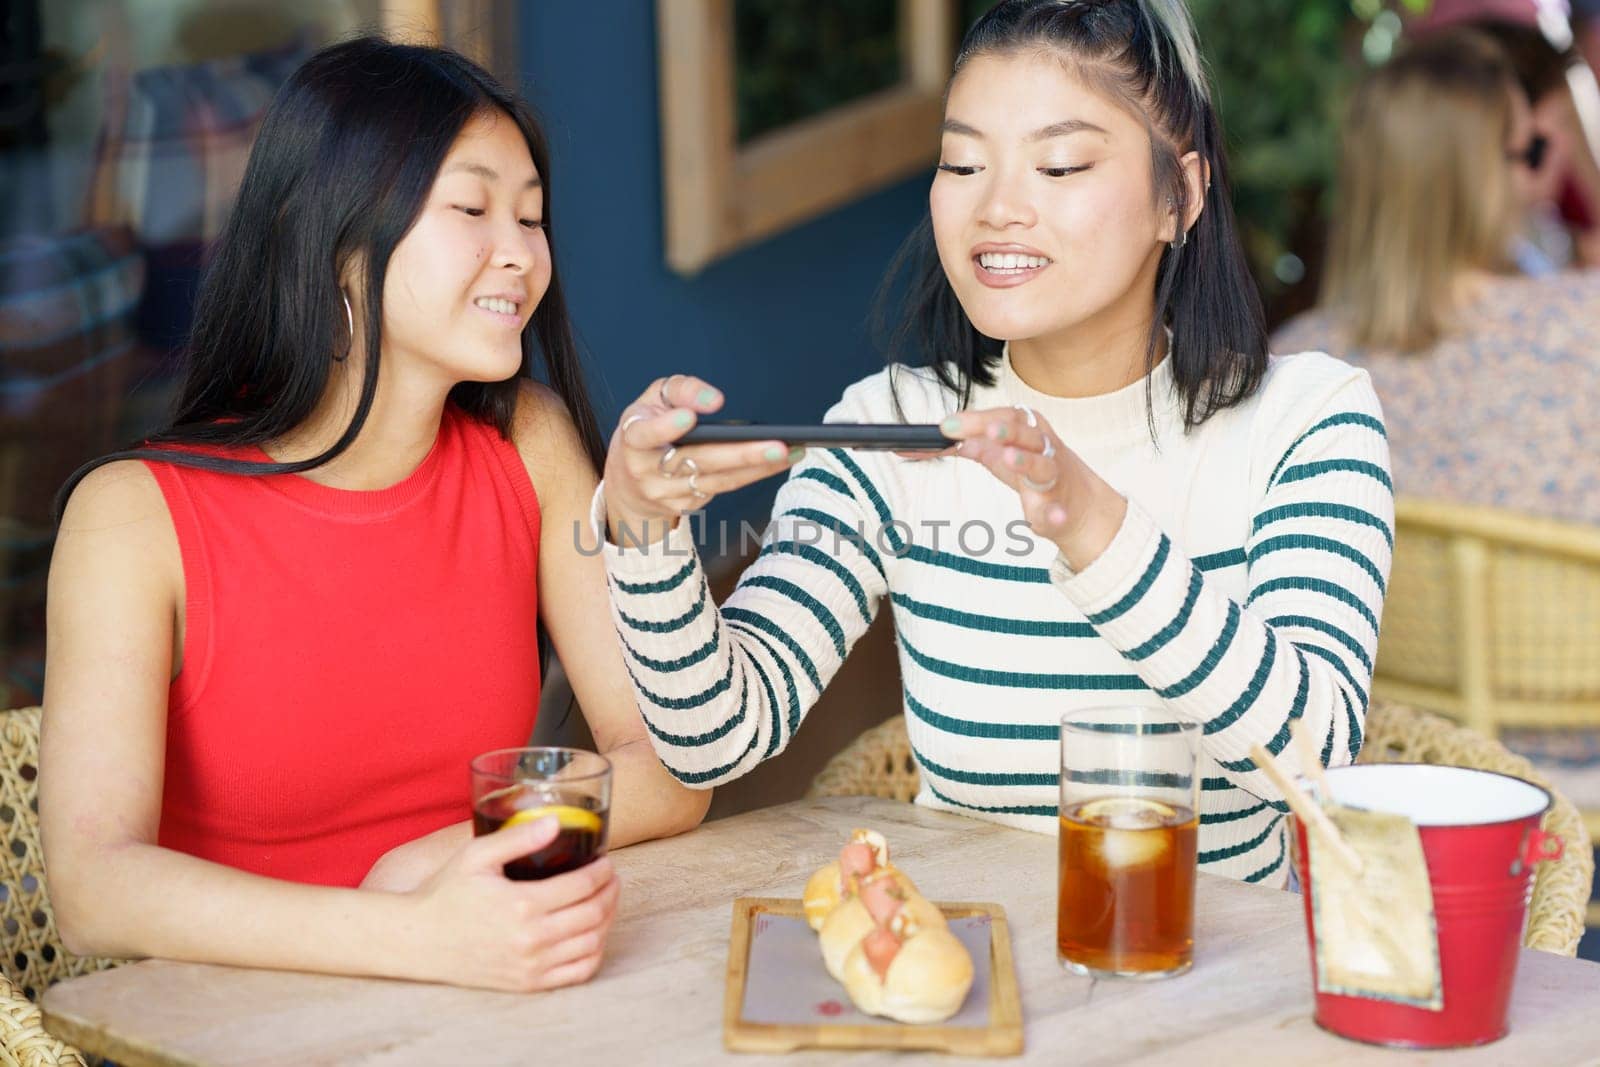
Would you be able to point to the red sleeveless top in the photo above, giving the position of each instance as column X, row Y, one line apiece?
column 346, row 654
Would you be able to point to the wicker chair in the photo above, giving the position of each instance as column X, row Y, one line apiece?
column 34, row 958
column 879, row 764
column 1493, row 619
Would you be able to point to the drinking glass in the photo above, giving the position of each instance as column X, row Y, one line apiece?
column 1129, row 823
column 516, row 785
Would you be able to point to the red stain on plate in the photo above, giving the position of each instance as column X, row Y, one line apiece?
column 830, row 1008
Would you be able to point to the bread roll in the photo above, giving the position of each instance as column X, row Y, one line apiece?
column 890, row 947
column 822, row 894
column 863, row 853
column 886, row 900
column 927, row 980
column 861, row 982
column 891, row 899
column 845, row 926
column 866, row 853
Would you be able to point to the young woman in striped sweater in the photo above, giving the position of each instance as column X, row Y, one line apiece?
column 1145, row 507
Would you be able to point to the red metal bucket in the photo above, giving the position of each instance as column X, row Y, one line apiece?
column 1481, row 838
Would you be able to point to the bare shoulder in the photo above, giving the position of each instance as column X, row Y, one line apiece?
column 542, row 422
column 117, row 520
column 546, row 436
column 119, row 495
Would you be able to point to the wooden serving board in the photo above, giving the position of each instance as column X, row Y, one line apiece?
column 971, row 1032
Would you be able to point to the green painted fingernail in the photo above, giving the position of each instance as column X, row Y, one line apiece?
column 773, row 453
column 950, row 425
column 682, row 419
column 1001, row 431
column 707, row 396
column 796, row 454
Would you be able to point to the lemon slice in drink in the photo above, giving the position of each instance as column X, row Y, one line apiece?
column 1126, row 813
column 569, row 816
column 1125, row 823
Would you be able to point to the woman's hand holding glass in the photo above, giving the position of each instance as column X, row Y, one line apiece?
column 476, row 927
column 650, row 482
column 1063, row 499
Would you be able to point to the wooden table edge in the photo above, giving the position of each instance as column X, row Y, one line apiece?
column 96, row 1042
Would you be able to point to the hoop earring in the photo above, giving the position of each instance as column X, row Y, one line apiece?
column 350, row 324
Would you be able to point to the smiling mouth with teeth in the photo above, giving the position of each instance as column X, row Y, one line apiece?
column 1010, row 262
column 489, row 303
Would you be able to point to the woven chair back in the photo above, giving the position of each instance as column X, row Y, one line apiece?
column 1492, row 617
column 34, row 958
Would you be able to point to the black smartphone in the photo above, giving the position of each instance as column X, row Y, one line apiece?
column 895, row 436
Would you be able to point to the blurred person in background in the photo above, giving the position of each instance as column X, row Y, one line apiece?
column 1560, row 228
column 1586, row 30
column 1488, row 377
column 1144, row 506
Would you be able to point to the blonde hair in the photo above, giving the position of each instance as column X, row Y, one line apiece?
column 1425, row 189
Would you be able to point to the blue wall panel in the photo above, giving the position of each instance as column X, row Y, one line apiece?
column 781, row 326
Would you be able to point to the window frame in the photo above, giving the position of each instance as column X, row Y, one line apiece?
column 719, row 196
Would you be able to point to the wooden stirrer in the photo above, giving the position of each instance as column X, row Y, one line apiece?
column 1310, row 758
column 1306, row 809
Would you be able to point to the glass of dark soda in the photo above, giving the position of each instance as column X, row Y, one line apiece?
column 518, row 785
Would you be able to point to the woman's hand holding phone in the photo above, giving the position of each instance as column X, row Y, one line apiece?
column 1063, row 499
column 650, row 481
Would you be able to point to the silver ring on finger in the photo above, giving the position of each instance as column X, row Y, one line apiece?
column 664, row 464
column 1055, row 475
column 699, row 493
column 629, row 421
column 1041, row 487
column 666, row 401
column 1027, row 413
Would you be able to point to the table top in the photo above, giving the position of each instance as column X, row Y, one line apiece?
column 658, row 997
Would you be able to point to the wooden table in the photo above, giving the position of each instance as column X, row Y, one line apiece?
column 658, row 999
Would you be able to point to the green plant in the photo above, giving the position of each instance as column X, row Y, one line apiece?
column 1281, row 69
column 798, row 58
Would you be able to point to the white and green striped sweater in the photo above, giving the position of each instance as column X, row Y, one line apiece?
column 1243, row 590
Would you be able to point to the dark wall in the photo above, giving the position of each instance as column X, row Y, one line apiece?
column 780, row 327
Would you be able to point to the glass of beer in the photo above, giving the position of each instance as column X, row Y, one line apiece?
column 1129, row 803
column 518, row 785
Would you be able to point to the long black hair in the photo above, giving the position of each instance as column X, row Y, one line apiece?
column 344, row 160
column 1144, row 53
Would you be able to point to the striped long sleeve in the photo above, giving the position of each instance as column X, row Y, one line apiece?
column 1300, row 644
column 723, row 690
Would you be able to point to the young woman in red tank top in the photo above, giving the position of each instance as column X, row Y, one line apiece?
column 279, row 628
